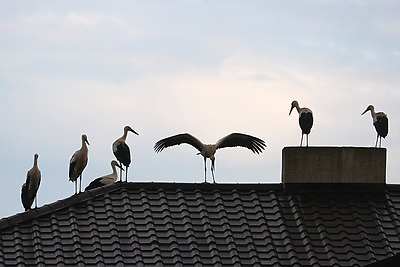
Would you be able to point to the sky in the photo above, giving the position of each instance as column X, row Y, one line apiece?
column 208, row 68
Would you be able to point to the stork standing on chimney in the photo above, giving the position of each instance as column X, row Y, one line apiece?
column 306, row 120
column 381, row 123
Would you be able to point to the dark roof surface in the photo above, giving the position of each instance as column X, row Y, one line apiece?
column 165, row 224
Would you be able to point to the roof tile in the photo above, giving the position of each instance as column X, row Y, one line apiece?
column 206, row 224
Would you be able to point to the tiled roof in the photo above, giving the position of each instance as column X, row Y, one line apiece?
column 163, row 224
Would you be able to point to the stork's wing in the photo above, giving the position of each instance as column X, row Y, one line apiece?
column 123, row 154
column 73, row 158
column 72, row 165
column 94, row 184
column 28, row 180
column 24, row 197
column 177, row 140
column 382, row 125
column 237, row 139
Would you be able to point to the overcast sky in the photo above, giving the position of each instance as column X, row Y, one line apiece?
column 208, row 68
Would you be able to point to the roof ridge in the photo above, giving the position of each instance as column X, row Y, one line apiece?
column 86, row 195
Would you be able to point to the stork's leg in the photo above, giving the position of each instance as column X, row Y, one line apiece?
column 307, row 139
column 126, row 174
column 205, row 170
column 377, row 137
column 76, row 186
column 35, row 202
column 212, row 170
column 80, row 183
column 120, row 173
column 301, row 142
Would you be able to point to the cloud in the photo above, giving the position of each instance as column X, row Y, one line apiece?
column 192, row 67
column 390, row 27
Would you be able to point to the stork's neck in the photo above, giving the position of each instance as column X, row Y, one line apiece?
column 35, row 163
column 35, row 169
column 123, row 137
column 114, row 173
column 297, row 108
column 84, row 146
column 373, row 114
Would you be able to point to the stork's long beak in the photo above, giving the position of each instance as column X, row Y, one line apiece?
column 87, row 142
column 364, row 112
column 291, row 110
column 133, row 131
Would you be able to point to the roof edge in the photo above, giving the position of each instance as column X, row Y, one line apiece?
column 84, row 196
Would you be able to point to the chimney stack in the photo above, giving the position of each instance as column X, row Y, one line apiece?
column 330, row 168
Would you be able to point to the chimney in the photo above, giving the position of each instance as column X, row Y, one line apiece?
column 333, row 168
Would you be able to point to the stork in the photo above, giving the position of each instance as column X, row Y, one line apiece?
column 30, row 187
column 305, row 120
column 381, row 123
column 121, row 151
column 208, row 151
column 78, row 163
column 106, row 179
